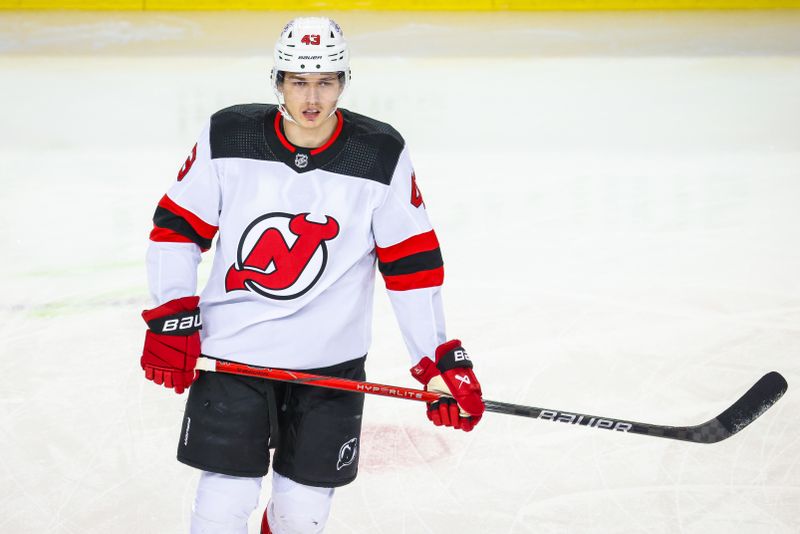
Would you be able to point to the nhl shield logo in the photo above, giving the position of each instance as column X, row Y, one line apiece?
column 301, row 161
column 347, row 454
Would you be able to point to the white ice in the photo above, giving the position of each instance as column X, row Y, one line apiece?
column 618, row 198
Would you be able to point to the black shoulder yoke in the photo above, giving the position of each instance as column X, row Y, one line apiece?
column 366, row 148
column 371, row 151
column 238, row 132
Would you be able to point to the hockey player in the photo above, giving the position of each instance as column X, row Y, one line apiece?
column 305, row 197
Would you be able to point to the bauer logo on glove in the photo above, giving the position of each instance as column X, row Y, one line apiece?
column 177, row 325
column 172, row 343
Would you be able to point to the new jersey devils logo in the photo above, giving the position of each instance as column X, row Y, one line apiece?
column 347, row 454
column 281, row 256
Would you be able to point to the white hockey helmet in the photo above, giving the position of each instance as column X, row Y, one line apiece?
column 310, row 45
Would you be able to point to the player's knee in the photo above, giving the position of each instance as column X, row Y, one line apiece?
column 296, row 508
column 224, row 503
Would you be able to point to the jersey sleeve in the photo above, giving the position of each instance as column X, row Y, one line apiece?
column 184, row 224
column 410, row 261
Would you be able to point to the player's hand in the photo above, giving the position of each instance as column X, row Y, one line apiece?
column 172, row 343
column 451, row 374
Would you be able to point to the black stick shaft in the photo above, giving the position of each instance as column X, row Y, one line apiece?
column 744, row 411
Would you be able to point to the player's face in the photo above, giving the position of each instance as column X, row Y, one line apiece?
column 311, row 98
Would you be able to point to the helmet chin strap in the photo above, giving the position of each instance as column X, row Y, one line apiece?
column 285, row 112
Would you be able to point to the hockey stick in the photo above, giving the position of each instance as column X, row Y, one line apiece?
column 741, row 413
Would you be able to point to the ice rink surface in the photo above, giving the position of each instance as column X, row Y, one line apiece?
column 618, row 200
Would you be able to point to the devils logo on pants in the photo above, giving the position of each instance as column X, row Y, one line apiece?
column 347, row 454
column 281, row 256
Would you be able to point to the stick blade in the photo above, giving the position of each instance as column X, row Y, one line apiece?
column 757, row 400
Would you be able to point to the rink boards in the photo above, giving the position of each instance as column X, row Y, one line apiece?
column 395, row 5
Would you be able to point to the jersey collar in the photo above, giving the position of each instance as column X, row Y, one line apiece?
column 302, row 159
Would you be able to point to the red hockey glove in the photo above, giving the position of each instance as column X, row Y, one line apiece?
column 451, row 375
column 172, row 343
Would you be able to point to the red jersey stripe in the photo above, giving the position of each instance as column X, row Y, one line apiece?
column 412, row 245
column 203, row 229
column 422, row 279
column 165, row 235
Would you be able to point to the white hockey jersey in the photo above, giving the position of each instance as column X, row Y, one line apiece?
column 299, row 231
